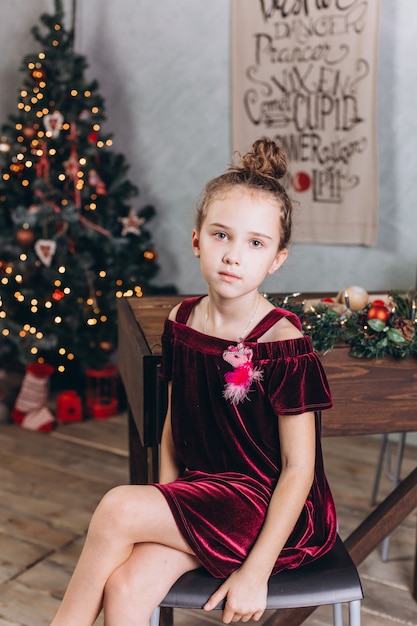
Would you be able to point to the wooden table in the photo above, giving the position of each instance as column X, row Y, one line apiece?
column 370, row 396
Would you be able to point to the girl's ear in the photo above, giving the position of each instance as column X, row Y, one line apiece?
column 195, row 242
column 278, row 261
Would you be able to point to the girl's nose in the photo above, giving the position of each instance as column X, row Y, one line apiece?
column 231, row 256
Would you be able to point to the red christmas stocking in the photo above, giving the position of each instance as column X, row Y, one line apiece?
column 30, row 409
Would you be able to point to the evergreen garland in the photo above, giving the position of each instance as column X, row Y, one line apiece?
column 368, row 338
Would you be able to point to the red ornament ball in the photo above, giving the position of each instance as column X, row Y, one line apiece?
column 57, row 295
column 25, row 237
column 301, row 181
column 92, row 137
column 379, row 312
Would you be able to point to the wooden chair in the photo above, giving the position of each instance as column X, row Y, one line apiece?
column 332, row 579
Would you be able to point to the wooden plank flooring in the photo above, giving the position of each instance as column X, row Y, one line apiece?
column 51, row 483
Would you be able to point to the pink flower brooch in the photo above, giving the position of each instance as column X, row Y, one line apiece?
column 239, row 380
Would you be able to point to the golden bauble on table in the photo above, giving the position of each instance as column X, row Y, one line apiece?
column 354, row 297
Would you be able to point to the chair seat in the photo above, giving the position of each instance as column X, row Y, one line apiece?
column 332, row 579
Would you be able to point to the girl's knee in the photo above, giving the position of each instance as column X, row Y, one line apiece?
column 114, row 499
column 129, row 589
column 132, row 514
column 121, row 585
column 110, row 513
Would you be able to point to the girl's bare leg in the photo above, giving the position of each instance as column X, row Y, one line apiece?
column 140, row 583
column 126, row 516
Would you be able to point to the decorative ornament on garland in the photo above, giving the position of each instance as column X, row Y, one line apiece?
column 53, row 123
column 354, row 297
column 45, row 249
column 131, row 223
column 406, row 327
column 379, row 311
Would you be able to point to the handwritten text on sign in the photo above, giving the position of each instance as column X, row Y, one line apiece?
column 304, row 74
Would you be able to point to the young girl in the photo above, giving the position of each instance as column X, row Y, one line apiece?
column 242, row 489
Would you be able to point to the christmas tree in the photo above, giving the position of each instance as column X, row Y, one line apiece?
column 71, row 242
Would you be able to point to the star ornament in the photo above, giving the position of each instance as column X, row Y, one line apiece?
column 131, row 223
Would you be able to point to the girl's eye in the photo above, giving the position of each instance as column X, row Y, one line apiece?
column 256, row 243
column 220, row 235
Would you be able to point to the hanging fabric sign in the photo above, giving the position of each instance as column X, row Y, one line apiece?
column 304, row 73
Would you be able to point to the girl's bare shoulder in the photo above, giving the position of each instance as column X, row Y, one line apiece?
column 282, row 330
column 173, row 312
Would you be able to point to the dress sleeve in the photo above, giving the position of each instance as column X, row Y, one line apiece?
column 298, row 384
column 166, row 363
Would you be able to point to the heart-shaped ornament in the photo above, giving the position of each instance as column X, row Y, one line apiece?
column 53, row 123
column 45, row 249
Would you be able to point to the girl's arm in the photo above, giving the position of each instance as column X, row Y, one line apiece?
column 246, row 588
column 169, row 468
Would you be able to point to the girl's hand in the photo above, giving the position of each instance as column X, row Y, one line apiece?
column 245, row 598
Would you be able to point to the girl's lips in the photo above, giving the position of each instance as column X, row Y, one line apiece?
column 228, row 277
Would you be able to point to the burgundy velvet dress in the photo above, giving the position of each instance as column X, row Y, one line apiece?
column 229, row 453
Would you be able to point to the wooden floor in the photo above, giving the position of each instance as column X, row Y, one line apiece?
column 50, row 484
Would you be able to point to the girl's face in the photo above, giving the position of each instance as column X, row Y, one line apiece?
column 238, row 242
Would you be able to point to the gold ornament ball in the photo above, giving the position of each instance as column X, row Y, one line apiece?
column 358, row 297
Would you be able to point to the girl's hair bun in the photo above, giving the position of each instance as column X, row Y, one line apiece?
column 259, row 170
column 266, row 158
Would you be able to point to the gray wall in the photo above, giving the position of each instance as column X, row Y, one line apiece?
column 163, row 69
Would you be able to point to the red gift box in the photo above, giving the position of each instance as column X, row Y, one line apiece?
column 68, row 407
